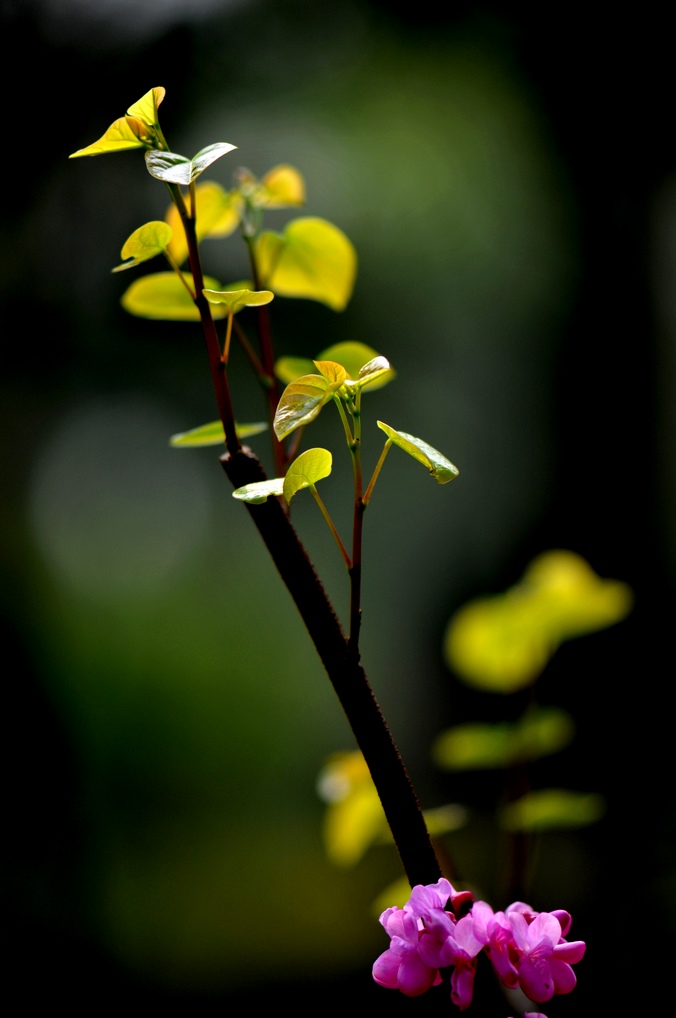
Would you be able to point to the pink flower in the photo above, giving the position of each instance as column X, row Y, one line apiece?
column 447, row 942
column 401, row 967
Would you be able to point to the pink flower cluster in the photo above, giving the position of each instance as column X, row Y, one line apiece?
column 526, row 948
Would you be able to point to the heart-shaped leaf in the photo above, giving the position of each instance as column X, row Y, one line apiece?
column 176, row 169
column 441, row 469
column 146, row 242
column 353, row 357
column 312, row 259
column 308, row 468
column 163, row 296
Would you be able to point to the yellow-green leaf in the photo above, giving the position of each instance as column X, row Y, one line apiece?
column 308, row 468
column 553, row 808
column 352, row 356
column 235, row 300
column 176, row 169
column 376, row 370
column 259, row 491
column 163, row 296
column 146, row 242
column 281, row 187
column 127, row 132
column 217, row 215
column 312, row 258
column 332, row 370
column 441, row 469
column 301, row 402
column 538, row 733
column 213, row 434
column 502, row 643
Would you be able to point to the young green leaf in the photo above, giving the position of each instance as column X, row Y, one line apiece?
column 136, row 130
column 235, row 300
column 146, row 242
column 301, row 402
column 353, row 357
column 311, row 259
column 441, row 469
column 331, row 370
column 475, row 746
column 259, row 491
column 311, row 466
column 161, row 295
column 370, row 372
column 213, row 434
column 176, row 169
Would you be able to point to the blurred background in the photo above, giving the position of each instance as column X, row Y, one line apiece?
column 509, row 182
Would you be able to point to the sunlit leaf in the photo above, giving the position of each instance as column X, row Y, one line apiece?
column 441, row 469
column 128, row 132
column 281, row 187
column 235, row 300
column 176, row 169
column 259, row 491
column 213, row 434
column 354, row 817
column 538, row 733
column 146, row 242
column 553, row 808
column 308, row 468
column 163, row 296
column 373, row 371
column 301, row 402
column 331, row 370
column 217, row 215
column 352, row 356
column 146, row 108
column 312, row 258
column 503, row 642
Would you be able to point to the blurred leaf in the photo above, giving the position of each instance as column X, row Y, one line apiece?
column 502, row 643
column 282, row 186
column 128, row 132
column 441, row 469
column 235, row 300
column 551, row 808
column 146, row 242
column 301, row 402
column 308, row 468
column 176, row 169
column 218, row 213
column 311, row 259
column 395, row 894
column 163, row 296
column 540, row 732
column 354, row 817
column 213, row 434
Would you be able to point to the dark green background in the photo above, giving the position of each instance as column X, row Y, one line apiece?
column 509, row 182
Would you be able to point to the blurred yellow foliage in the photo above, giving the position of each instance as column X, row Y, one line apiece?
column 502, row 643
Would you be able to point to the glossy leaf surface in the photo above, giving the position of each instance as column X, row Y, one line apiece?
column 308, row 468
column 176, row 169
column 503, row 642
column 146, row 242
column 477, row 746
column 352, row 356
column 163, row 296
column 213, row 434
column 373, row 371
column 553, row 808
column 312, row 258
column 301, row 402
column 259, row 491
column 441, row 469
